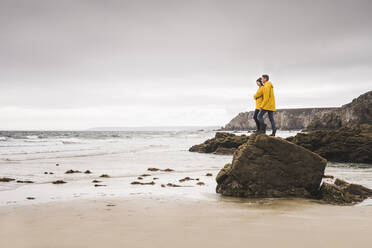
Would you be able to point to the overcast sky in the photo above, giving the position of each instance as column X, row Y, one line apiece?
column 73, row 64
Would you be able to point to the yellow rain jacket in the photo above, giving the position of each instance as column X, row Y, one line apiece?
column 268, row 102
column 258, row 97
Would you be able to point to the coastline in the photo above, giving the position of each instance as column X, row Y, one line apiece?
column 78, row 214
column 163, row 222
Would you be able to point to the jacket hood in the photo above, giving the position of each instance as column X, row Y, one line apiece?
column 270, row 84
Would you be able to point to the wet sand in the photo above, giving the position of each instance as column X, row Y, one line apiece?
column 164, row 222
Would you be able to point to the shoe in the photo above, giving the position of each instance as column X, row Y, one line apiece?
column 257, row 130
column 273, row 133
column 263, row 128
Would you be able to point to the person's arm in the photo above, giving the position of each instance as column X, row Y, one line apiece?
column 258, row 93
column 266, row 93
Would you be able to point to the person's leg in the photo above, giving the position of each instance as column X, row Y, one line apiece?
column 261, row 121
column 260, row 116
column 256, row 111
column 272, row 121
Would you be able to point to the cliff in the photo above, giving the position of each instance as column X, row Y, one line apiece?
column 359, row 111
column 285, row 119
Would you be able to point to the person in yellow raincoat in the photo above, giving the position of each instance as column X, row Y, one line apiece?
column 258, row 97
column 267, row 105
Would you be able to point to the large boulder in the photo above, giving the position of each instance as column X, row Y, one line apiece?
column 347, row 144
column 271, row 167
column 222, row 143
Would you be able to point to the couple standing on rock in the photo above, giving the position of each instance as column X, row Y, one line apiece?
column 265, row 103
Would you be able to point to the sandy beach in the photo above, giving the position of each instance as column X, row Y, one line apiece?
column 162, row 222
column 77, row 214
column 185, row 124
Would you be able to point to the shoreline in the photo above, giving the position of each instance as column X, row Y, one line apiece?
column 120, row 187
column 157, row 221
column 78, row 214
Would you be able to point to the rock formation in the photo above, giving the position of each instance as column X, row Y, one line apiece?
column 223, row 143
column 359, row 111
column 347, row 144
column 285, row 119
column 271, row 167
column 343, row 193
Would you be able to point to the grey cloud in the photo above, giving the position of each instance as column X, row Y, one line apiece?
column 93, row 51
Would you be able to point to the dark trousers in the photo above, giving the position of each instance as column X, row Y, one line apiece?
column 256, row 111
column 271, row 117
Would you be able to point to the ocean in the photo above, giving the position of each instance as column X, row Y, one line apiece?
column 45, row 156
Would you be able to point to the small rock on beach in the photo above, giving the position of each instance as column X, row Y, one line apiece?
column 100, row 185
column 59, row 182
column 173, row 185
column 72, row 171
column 6, row 179
column 186, row 179
column 328, row 176
column 24, row 181
column 140, row 183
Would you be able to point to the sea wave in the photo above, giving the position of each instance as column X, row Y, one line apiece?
column 39, row 135
column 46, row 152
column 32, row 137
column 63, row 156
column 61, row 152
column 148, row 147
column 350, row 165
column 35, row 140
column 71, row 141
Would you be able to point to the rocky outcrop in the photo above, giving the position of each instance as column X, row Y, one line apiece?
column 271, row 167
column 347, row 144
column 343, row 193
column 223, row 143
column 285, row 119
column 359, row 111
